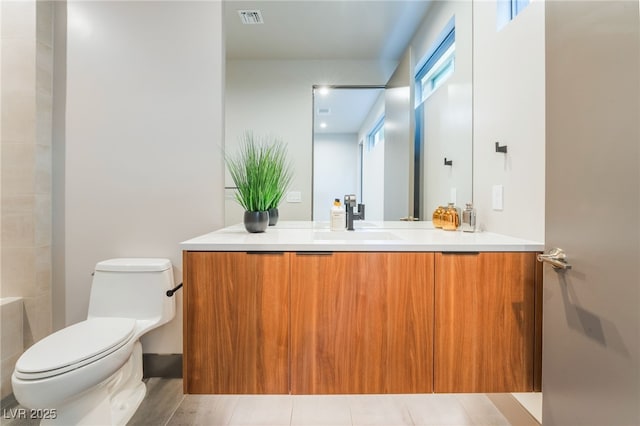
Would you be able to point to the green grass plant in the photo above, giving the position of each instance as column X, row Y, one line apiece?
column 260, row 171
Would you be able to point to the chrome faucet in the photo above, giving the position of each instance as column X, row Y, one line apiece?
column 350, row 204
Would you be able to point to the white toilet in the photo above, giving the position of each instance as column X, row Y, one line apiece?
column 90, row 373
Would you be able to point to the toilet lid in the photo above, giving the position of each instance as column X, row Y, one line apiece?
column 74, row 345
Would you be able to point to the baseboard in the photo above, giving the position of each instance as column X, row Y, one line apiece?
column 8, row 402
column 162, row 365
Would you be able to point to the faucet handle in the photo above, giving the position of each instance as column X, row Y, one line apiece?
column 350, row 200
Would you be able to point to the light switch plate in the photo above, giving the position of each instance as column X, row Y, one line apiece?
column 497, row 201
column 294, row 197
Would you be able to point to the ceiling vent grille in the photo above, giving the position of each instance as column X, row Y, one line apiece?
column 324, row 111
column 251, row 17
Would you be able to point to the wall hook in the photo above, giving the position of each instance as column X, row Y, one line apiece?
column 502, row 149
column 448, row 163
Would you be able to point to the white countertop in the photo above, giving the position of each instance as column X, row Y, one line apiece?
column 368, row 236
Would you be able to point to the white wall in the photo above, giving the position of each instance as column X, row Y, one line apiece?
column 398, row 141
column 509, row 107
column 335, row 156
column 143, row 127
column 373, row 164
column 448, row 114
column 275, row 97
column 373, row 172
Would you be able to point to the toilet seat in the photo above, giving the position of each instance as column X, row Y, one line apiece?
column 74, row 347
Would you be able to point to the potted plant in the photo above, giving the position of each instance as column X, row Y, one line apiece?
column 280, row 175
column 261, row 175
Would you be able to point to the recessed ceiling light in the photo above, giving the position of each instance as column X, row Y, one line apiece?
column 323, row 91
column 323, row 125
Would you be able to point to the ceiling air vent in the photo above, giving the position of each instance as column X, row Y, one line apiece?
column 250, row 17
column 324, row 111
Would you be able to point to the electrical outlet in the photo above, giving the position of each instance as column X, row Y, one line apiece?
column 294, row 197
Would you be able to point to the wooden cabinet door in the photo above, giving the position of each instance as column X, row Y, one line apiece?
column 484, row 322
column 361, row 323
column 236, row 310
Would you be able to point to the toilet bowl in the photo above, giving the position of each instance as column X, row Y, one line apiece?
column 90, row 373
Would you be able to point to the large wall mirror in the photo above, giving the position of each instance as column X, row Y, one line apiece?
column 373, row 50
column 348, row 146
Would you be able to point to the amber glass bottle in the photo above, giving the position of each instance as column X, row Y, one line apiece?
column 451, row 218
column 438, row 216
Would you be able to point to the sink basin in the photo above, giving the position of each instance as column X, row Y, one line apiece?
column 354, row 236
column 357, row 224
column 360, row 224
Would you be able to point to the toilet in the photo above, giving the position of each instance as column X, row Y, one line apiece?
column 90, row 373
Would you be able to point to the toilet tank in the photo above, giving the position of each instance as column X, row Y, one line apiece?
column 133, row 288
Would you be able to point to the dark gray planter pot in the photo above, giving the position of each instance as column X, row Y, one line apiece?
column 273, row 216
column 256, row 221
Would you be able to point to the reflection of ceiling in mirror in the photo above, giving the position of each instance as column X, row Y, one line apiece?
column 347, row 109
column 312, row 29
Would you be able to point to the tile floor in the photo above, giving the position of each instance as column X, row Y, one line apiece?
column 166, row 405
column 326, row 410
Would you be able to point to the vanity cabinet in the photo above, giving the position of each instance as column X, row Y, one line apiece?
column 485, row 336
column 236, row 323
column 361, row 323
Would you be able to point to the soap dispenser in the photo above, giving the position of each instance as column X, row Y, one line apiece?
column 338, row 216
column 469, row 218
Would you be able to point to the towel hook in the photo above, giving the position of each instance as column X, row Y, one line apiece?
column 502, row 148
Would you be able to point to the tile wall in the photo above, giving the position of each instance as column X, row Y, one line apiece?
column 11, row 346
column 26, row 34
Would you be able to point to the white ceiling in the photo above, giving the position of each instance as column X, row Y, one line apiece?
column 326, row 29
column 347, row 109
column 323, row 29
